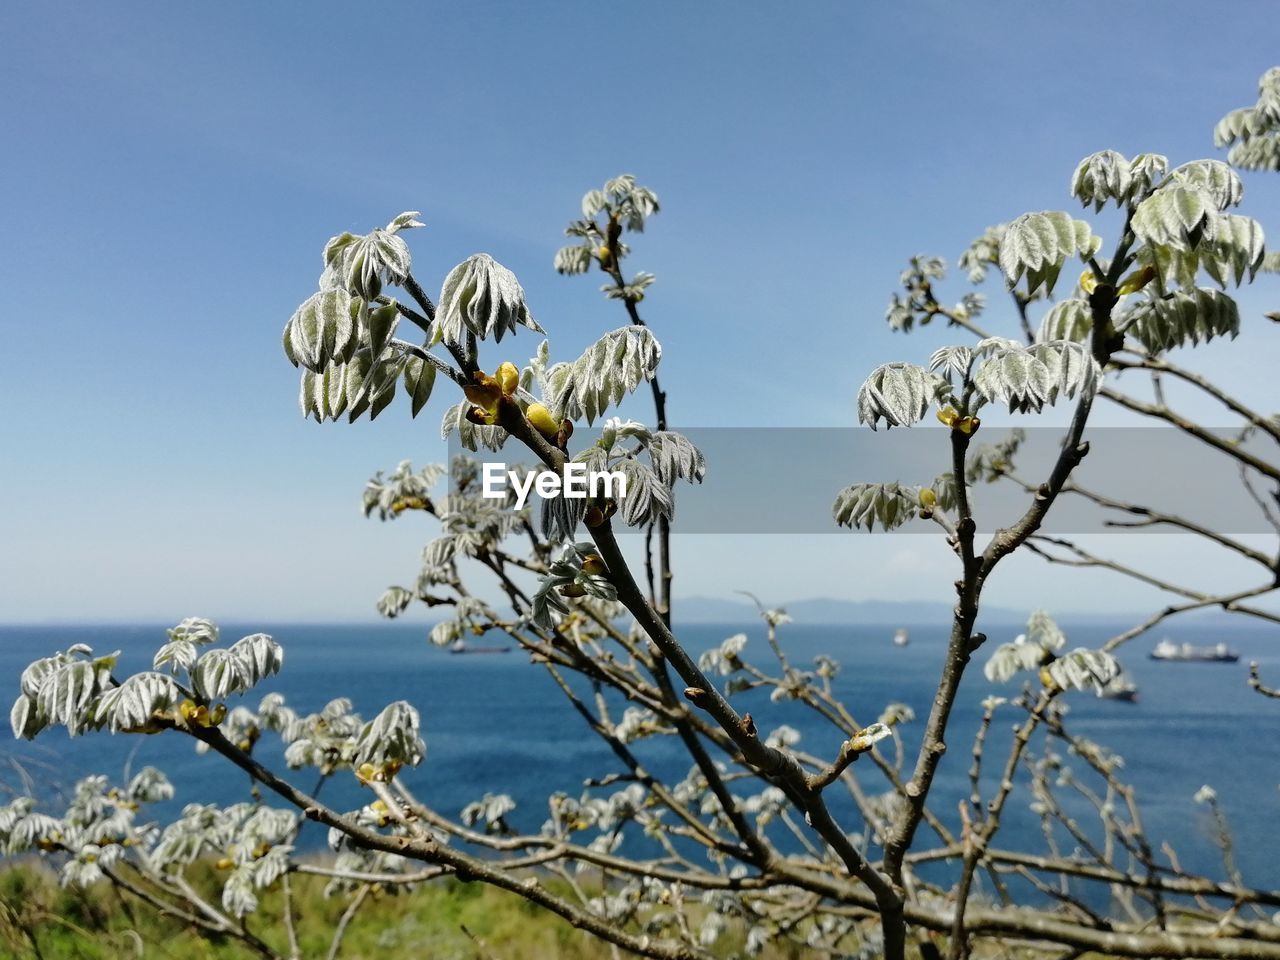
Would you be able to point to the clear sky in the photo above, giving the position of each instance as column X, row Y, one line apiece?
column 170, row 173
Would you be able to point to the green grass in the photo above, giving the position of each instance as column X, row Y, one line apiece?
column 441, row 920
column 38, row 919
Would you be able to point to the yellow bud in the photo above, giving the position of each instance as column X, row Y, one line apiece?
column 573, row 590
column 485, row 392
column 226, row 863
column 928, row 499
column 605, row 256
column 1088, row 282
column 1136, row 280
column 947, row 416
column 638, row 297
column 968, row 425
column 508, row 378
column 366, row 772
column 542, row 421
column 592, row 564
column 1047, row 678
column 187, row 709
column 218, row 714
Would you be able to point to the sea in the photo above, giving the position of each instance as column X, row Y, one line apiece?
column 498, row 724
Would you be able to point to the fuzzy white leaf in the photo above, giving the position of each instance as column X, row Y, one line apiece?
column 898, row 393
column 608, row 370
column 1083, row 669
column 866, row 504
column 1068, row 320
column 1178, row 215
column 393, row 736
column 1217, row 178
column 483, row 297
column 1038, row 244
column 1102, row 177
column 1188, row 316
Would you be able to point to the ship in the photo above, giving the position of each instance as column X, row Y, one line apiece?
column 1120, row 688
column 900, row 637
column 460, row 646
column 1166, row 649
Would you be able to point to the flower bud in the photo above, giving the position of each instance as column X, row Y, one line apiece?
column 564, row 433
column 542, row 421
column 1136, row 280
column 485, row 392
column 508, row 378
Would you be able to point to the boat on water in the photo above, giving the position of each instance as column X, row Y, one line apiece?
column 901, row 637
column 1166, row 649
column 460, row 646
column 1121, row 688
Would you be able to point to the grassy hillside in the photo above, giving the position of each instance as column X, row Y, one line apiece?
column 443, row 920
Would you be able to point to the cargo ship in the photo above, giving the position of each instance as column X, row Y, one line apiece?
column 1218, row 653
column 1121, row 688
column 460, row 646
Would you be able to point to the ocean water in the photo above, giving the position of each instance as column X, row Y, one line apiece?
column 498, row 724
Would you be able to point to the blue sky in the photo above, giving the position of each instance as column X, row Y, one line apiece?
column 170, row 174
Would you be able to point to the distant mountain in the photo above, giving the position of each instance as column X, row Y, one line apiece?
column 826, row 610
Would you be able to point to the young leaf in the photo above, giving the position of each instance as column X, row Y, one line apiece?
column 1067, row 320
column 866, row 504
column 647, row 497
column 1015, row 376
column 1039, row 244
column 899, row 393
column 482, row 296
column 320, row 331
column 1215, row 177
column 608, row 370
column 1083, row 669
column 1187, row 316
column 419, row 378
column 674, row 455
column 1178, row 215
column 1102, row 177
